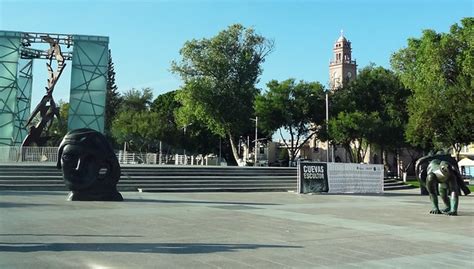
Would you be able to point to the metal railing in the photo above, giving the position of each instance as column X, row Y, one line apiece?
column 28, row 154
column 50, row 155
column 126, row 157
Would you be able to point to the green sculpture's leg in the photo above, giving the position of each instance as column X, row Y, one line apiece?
column 454, row 187
column 431, row 182
column 454, row 204
column 443, row 192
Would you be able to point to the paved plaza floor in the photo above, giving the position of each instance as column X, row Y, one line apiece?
column 233, row 230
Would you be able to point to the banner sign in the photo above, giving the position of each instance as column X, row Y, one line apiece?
column 355, row 178
column 312, row 177
column 339, row 177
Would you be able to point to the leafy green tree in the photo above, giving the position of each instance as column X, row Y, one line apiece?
column 378, row 95
column 113, row 99
column 165, row 105
column 195, row 138
column 297, row 108
column 58, row 128
column 137, row 100
column 136, row 128
column 438, row 68
column 135, row 124
column 220, row 74
column 352, row 130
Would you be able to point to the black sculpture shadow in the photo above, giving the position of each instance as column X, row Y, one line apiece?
column 138, row 200
column 13, row 204
column 170, row 248
column 73, row 235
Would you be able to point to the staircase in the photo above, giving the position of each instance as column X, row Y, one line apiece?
column 159, row 178
column 392, row 184
column 41, row 177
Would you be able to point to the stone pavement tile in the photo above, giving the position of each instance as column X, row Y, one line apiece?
column 231, row 230
column 420, row 261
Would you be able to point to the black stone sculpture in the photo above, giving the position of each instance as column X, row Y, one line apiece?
column 440, row 174
column 89, row 165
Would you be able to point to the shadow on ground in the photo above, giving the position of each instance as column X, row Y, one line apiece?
column 12, row 205
column 74, row 235
column 170, row 248
column 30, row 193
column 191, row 202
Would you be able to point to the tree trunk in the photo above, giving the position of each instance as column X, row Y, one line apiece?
column 457, row 149
column 349, row 152
column 235, row 153
column 385, row 163
column 291, row 157
column 382, row 159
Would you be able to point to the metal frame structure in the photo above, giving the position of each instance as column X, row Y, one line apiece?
column 88, row 83
column 89, row 58
column 10, row 43
column 25, row 86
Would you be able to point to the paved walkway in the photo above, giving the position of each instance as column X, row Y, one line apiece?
column 233, row 230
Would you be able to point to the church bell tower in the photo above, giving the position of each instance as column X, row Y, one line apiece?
column 342, row 68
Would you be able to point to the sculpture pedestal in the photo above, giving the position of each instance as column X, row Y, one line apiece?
column 94, row 196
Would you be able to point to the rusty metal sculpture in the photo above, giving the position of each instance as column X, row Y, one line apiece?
column 47, row 108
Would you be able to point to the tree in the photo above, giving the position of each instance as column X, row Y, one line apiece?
column 219, row 77
column 376, row 100
column 136, row 100
column 135, row 123
column 136, row 128
column 113, row 99
column 58, row 128
column 352, row 130
column 438, row 68
column 196, row 139
column 167, row 130
column 298, row 108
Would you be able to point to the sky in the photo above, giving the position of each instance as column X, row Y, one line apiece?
column 145, row 36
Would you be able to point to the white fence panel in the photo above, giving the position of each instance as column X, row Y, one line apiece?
column 28, row 154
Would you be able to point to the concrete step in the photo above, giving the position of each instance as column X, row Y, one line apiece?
column 393, row 184
column 399, row 187
column 169, row 178
column 159, row 178
column 158, row 187
column 157, row 182
column 43, row 177
column 220, row 189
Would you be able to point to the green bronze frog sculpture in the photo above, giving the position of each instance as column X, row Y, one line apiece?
column 440, row 174
column 89, row 165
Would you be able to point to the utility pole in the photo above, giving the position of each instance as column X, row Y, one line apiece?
column 327, row 127
column 220, row 150
column 159, row 157
column 256, row 139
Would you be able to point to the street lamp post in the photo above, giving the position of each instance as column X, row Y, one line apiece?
column 327, row 126
column 184, row 135
column 256, row 139
column 184, row 146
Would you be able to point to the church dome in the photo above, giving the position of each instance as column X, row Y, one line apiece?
column 341, row 39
